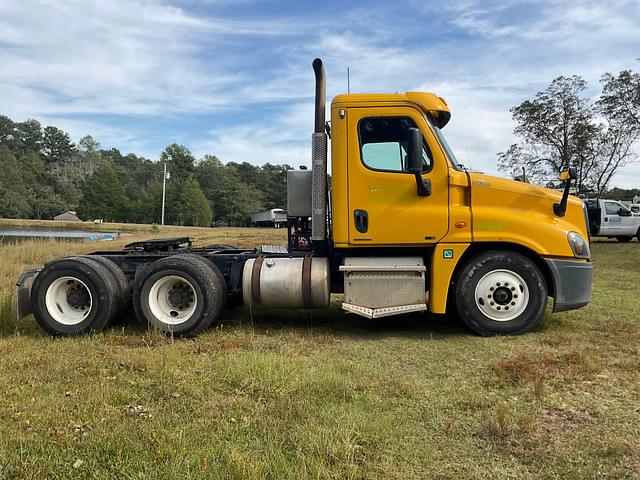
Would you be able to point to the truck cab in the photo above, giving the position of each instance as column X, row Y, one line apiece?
column 459, row 219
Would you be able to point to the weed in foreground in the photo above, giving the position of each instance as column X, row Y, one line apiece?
column 8, row 321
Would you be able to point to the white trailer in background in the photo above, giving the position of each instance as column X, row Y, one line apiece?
column 276, row 217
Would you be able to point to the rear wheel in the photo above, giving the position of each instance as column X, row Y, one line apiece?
column 120, row 279
column 500, row 292
column 625, row 239
column 73, row 296
column 181, row 294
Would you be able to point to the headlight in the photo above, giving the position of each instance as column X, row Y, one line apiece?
column 578, row 245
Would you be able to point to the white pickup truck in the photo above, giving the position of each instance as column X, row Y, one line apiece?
column 608, row 218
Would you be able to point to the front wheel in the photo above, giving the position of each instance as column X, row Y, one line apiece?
column 500, row 293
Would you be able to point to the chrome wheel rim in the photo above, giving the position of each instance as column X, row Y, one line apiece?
column 172, row 300
column 68, row 300
column 502, row 295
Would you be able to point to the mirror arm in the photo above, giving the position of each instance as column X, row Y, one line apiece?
column 424, row 187
column 561, row 208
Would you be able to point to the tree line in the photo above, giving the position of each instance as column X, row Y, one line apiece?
column 44, row 173
column 563, row 126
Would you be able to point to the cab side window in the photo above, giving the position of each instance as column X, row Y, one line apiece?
column 383, row 144
column 611, row 208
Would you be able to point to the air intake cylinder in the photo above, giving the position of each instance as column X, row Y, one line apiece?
column 319, row 159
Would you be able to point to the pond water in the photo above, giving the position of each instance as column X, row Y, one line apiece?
column 13, row 234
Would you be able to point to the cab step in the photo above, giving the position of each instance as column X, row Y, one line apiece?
column 377, row 287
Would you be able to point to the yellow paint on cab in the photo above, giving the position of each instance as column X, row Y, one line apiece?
column 445, row 258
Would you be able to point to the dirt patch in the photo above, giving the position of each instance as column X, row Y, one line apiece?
column 538, row 367
column 555, row 421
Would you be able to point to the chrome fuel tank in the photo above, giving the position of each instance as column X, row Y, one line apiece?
column 286, row 282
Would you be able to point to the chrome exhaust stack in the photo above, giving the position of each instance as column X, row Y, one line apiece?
column 319, row 159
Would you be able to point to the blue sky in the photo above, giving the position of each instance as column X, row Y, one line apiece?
column 234, row 79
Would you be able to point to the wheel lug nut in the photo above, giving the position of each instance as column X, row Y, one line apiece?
column 515, row 296
column 497, row 284
column 507, row 307
column 498, row 307
column 513, row 303
column 513, row 289
column 492, row 304
column 491, row 289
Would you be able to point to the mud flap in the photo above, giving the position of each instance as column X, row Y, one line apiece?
column 23, row 292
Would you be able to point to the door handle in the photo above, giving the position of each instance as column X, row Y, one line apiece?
column 361, row 218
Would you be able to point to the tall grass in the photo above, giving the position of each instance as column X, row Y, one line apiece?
column 8, row 323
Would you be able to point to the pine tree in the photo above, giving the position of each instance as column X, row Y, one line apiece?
column 194, row 206
column 180, row 161
column 15, row 201
column 57, row 147
column 103, row 196
column 232, row 200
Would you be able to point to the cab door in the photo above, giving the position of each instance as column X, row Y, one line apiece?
column 384, row 206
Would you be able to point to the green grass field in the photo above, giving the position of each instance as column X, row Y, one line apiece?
column 323, row 395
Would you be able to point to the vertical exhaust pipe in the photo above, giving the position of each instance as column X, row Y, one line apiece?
column 319, row 159
column 321, row 95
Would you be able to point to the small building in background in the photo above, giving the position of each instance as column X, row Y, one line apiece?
column 68, row 216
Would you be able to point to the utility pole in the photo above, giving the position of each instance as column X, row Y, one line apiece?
column 165, row 176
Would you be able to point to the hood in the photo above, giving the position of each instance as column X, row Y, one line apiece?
column 505, row 210
column 499, row 184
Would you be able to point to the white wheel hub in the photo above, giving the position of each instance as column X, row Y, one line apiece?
column 502, row 295
column 68, row 300
column 172, row 300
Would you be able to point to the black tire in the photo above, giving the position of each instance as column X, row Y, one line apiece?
column 624, row 239
column 518, row 273
column 216, row 271
column 67, row 316
column 124, row 289
column 200, row 297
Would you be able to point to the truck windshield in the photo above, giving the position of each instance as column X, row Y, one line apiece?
column 445, row 145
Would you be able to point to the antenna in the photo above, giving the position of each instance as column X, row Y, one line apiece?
column 348, row 81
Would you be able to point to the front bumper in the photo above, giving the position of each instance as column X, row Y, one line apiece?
column 23, row 292
column 572, row 283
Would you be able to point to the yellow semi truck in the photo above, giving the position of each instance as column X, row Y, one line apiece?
column 403, row 227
